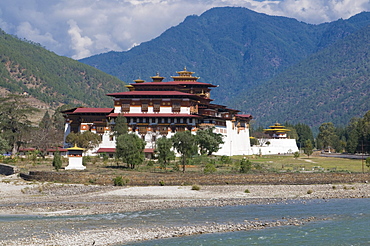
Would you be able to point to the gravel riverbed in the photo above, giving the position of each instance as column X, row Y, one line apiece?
column 18, row 197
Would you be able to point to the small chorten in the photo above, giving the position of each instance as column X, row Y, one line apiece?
column 75, row 158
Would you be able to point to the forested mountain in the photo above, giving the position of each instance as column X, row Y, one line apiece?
column 332, row 85
column 28, row 68
column 245, row 53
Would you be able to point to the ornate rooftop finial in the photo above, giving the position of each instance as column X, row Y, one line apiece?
column 185, row 76
column 157, row 78
column 139, row 80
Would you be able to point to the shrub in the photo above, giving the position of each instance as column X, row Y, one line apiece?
column 368, row 162
column 209, row 168
column 92, row 181
column 57, row 161
column 296, row 155
column 309, row 192
column 119, row 181
column 226, row 159
column 195, row 187
column 247, row 191
column 104, row 156
column 245, row 165
column 150, row 163
column 161, row 183
column 86, row 159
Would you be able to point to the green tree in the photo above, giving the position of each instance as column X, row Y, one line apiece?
column 185, row 144
column 292, row 134
column 364, row 132
column 368, row 162
column 165, row 154
column 304, row 133
column 58, row 119
column 353, row 136
column 57, row 161
column 14, row 123
column 120, row 126
column 296, row 155
column 130, row 149
column 209, row 168
column 4, row 146
column 245, row 165
column 45, row 121
column 337, row 144
column 45, row 135
column 208, row 141
column 86, row 140
column 308, row 147
column 326, row 134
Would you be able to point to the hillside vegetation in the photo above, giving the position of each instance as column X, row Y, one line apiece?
column 246, row 53
column 332, row 85
column 28, row 68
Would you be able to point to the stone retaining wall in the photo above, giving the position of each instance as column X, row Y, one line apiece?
column 139, row 179
column 8, row 169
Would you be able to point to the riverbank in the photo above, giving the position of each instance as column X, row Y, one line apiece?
column 19, row 197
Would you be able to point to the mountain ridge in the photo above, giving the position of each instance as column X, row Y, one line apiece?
column 235, row 48
column 27, row 68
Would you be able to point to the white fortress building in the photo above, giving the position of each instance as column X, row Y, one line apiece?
column 277, row 143
column 160, row 109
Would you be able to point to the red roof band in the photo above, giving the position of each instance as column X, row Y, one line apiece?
column 82, row 110
column 152, row 115
column 152, row 93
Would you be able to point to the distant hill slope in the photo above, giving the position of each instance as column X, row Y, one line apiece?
column 55, row 80
column 241, row 50
column 332, row 85
column 231, row 47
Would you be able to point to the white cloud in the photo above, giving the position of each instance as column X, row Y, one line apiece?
column 79, row 43
column 81, row 28
column 25, row 30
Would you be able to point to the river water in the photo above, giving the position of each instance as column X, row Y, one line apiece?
column 348, row 223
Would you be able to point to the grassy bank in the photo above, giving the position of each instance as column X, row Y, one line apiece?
column 219, row 165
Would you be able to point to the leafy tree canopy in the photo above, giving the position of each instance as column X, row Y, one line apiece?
column 326, row 134
column 185, row 144
column 130, row 149
column 86, row 140
column 308, row 147
column 120, row 127
column 164, row 151
column 208, row 141
column 14, row 122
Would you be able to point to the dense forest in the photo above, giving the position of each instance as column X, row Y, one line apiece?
column 27, row 68
column 275, row 68
column 332, row 85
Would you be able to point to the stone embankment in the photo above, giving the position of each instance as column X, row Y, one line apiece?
column 8, row 169
column 144, row 179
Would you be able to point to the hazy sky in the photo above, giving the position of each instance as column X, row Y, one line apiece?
column 81, row 28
